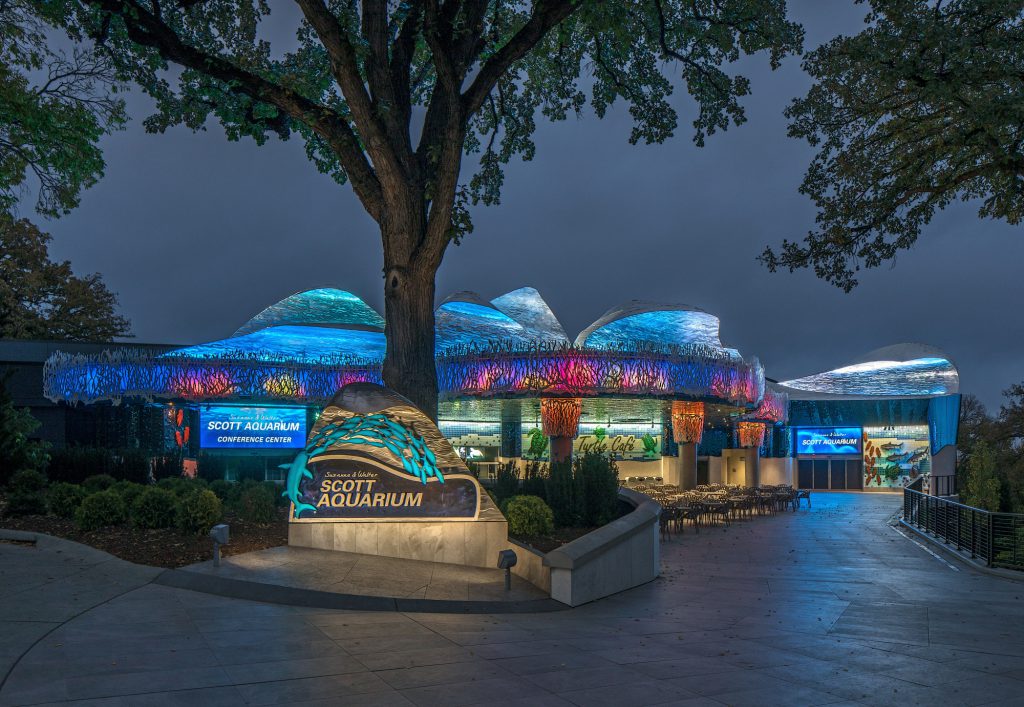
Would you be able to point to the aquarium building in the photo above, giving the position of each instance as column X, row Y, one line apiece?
column 650, row 384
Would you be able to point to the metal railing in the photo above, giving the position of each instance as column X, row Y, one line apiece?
column 996, row 538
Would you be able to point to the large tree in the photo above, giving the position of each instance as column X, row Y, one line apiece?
column 55, row 105
column 41, row 299
column 389, row 96
column 922, row 108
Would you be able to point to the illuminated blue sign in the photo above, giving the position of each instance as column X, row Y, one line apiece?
column 827, row 440
column 230, row 427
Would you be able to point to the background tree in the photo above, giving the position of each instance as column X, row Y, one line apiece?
column 922, row 108
column 54, row 107
column 41, row 299
column 1001, row 439
column 980, row 486
column 388, row 96
column 17, row 450
column 975, row 426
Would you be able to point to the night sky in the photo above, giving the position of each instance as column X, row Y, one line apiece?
column 196, row 234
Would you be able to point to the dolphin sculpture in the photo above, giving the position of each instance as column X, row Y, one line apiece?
column 375, row 430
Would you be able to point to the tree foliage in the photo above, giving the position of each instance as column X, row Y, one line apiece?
column 922, row 108
column 991, row 449
column 17, row 448
column 55, row 105
column 42, row 299
column 389, row 96
column 980, row 485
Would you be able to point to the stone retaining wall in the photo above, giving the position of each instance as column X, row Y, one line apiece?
column 615, row 557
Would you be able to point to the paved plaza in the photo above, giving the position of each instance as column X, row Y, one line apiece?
column 825, row 606
column 371, row 575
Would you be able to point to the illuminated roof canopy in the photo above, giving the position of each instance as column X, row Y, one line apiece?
column 463, row 320
column 303, row 344
column 322, row 307
column 657, row 324
column 529, row 309
column 306, row 346
column 901, row 370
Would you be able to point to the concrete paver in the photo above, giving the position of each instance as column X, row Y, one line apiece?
column 824, row 606
column 350, row 573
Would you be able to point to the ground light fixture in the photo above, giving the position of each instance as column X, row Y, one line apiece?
column 506, row 561
column 220, row 536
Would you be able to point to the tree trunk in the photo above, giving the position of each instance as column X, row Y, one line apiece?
column 409, row 326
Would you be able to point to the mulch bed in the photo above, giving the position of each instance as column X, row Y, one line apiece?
column 547, row 543
column 166, row 547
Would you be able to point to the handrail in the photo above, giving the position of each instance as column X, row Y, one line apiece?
column 996, row 538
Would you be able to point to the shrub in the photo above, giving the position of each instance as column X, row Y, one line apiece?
column 198, row 511
column 597, row 482
column 506, row 483
column 128, row 491
column 154, row 508
column 560, row 494
column 535, row 480
column 17, row 449
column 275, row 489
column 529, row 516
column 27, row 493
column 181, row 485
column 65, row 499
column 99, row 482
column 256, row 504
column 26, row 503
column 226, row 491
column 132, row 465
column 27, row 481
column 101, row 509
column 75, row 464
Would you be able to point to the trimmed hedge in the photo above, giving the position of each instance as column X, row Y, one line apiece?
column 255, row 504
column 98, row 510
column 99, row 482
column 198, row 511
column 65, row 499
column 27, row 481
column 506, row 483
column 226, row 491
column 128, row 491
column 529, row 516
column 154, row 508
column 27, row 493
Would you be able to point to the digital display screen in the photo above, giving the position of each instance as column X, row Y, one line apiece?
column 827, row 440
column 230, row 427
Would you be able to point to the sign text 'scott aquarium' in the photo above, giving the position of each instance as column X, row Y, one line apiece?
column 231, row 427
column 827, row 440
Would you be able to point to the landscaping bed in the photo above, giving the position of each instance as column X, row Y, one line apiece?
column 550, row 541
column 160, row 547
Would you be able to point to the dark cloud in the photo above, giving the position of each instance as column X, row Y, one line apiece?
column 197, row 234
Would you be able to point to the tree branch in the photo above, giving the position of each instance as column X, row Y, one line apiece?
column 391, row 166
column 146, row 29
column 546, row 14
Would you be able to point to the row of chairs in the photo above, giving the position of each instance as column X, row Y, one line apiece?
column 711, row 504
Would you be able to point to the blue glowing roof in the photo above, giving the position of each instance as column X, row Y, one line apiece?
column 306, row 344
column 529, row 309
column 325, row 306
column 895, row 371
column 659, row 324
column 461, row 321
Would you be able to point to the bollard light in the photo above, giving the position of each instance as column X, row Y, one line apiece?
column 506, row 561
column 220, row 536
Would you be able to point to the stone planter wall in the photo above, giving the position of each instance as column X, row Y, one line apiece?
column 615, row 557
